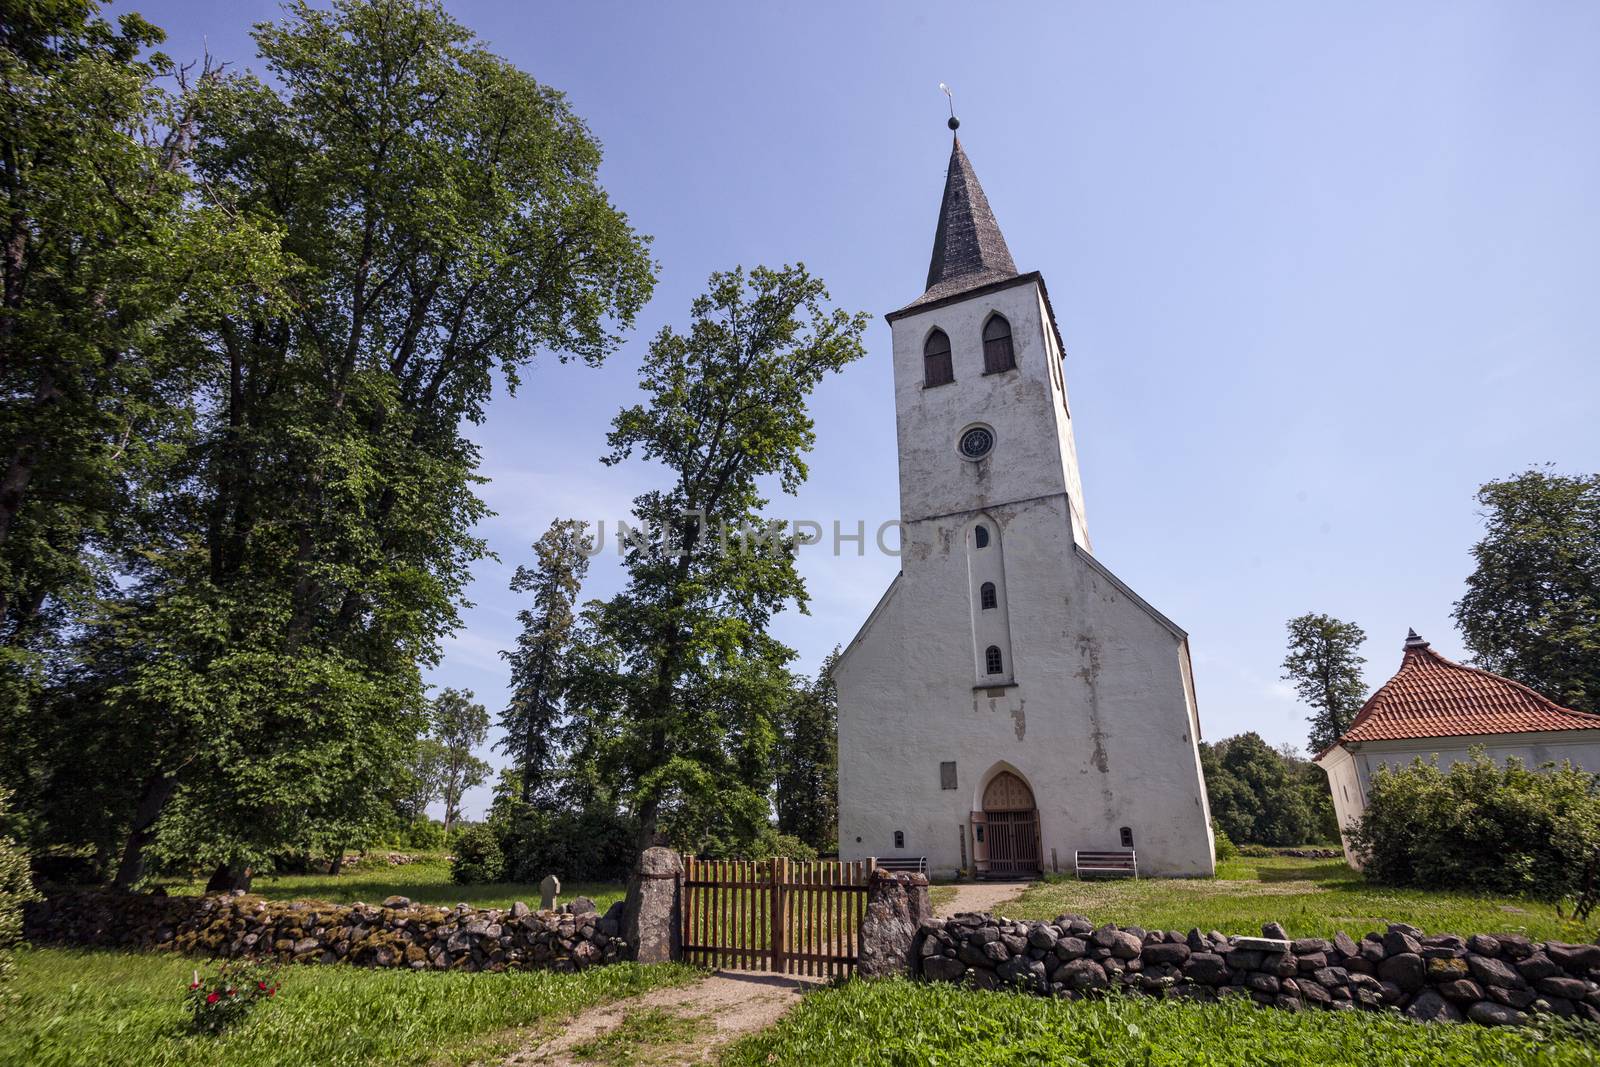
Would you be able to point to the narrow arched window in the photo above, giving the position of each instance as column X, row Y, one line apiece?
column 997, row 351
column 992, row 662
column 980, row 536
column 1127, row 837
column 986, row 596
column 936, row 367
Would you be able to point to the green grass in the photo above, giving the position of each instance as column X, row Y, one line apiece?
column 640, row 1035
column 99, row 1009
column 1311, row 898
column 941, row 895
column 427, row 881
column 901, row 1023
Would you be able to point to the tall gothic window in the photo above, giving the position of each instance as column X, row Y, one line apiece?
column 992, row 662
column 936, row 367
column 997, row 351
column 986, row 597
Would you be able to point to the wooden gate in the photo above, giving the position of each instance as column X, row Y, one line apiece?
column 787, row 916
column 1008, row 828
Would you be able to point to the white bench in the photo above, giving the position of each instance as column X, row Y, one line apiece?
column 907, row 864
column 1121, row 862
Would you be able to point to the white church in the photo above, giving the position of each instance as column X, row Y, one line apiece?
column 1009, row 701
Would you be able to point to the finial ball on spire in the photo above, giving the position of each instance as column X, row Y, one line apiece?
column 954, row 123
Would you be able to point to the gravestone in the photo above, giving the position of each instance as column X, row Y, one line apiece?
column 548, row 890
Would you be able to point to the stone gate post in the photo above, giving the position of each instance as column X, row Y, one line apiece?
column 652, row 922
column 897, row 906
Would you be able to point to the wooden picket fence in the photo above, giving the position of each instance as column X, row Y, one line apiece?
column 786, row 916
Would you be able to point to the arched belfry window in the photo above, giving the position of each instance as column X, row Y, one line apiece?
column 980, row 536
column 992, row 662
column 936, row 366
column 986, row 596
column 997, row 351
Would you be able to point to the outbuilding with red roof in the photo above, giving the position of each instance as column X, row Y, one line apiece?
column 1435, row 707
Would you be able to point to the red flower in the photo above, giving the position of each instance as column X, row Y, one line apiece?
column 194, row 985
column 271, row 991
column 212, row 998
column 261, row 985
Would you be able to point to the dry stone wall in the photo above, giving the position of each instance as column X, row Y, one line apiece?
column 396, row 933
column 1496, row 979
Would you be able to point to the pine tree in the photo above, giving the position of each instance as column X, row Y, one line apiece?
column 1325, row 666
column 540, row 665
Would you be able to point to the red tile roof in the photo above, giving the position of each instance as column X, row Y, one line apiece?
column 1431, row 696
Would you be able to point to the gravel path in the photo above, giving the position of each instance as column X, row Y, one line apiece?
column 708, row 1015
column 981, row 896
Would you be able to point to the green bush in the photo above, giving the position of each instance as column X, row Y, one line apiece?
column 1481, row 826
column 1225, row 848
column 771, row 844
column 421, row 835
column 478, row 858
column 578, row 846
column 16, row 887
column 224, row 999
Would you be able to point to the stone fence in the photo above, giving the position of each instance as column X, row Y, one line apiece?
column 396, row 933
column 1493, row 979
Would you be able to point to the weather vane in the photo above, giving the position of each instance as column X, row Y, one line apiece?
column 954, row 122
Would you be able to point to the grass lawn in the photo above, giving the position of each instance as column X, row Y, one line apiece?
column 901, row 1023
column 426, row 881
column 1312, row 898
column 110, row 1009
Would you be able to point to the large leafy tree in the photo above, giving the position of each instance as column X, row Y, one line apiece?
column 1532, row 607
column 1324, row 663
column 541, row 664
column 447, row 223
column 807, row 760
column 684, row 684
column 1255, row 795
column 107, row 255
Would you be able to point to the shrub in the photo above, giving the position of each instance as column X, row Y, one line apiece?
column 1480, row 826
column 772, row 844
column 218, row 1001
column 15, row 888
column 421, row 835
column 1225, row 848
column 593, row 845
column 477, row 856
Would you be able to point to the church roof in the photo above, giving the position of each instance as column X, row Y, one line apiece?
column 969, row 250
column 1431, row 696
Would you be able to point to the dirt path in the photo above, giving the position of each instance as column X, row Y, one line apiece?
column 980, row 896
column 668, row 1027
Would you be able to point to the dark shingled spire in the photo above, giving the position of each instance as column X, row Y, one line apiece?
column 968, row 247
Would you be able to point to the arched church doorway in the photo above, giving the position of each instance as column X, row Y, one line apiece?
column 1009, row 828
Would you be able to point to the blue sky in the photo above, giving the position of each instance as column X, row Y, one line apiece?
column 1320, row 269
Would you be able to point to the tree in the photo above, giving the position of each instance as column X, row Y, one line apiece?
column 807, row 760
column 458, row 727
column 540, row 664
column 110, row 256
column 1325, row 666
column 261, row 660
column 680, row 683
column 1532, row 607
column 1254, row 797
column 423, row 782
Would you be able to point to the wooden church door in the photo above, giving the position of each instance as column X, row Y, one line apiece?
column 1012, row 824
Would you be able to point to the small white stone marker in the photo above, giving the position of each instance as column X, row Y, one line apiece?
column 547, row 892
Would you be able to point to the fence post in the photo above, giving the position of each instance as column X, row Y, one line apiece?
column 653, row 919
column 780, row 870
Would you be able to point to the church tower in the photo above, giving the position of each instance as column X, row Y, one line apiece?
column 1010, row 701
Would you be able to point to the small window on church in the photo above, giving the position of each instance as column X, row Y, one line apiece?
column 997, row 352
column 899, row 839
column 992, row 661
column 986, row 596
column 947, row 774
column 1127, row 837
column 936, row 366
column 980, row 536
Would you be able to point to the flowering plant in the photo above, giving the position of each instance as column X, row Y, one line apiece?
column 219, row 1000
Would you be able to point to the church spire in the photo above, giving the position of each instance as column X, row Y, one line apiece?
column 968, row 247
